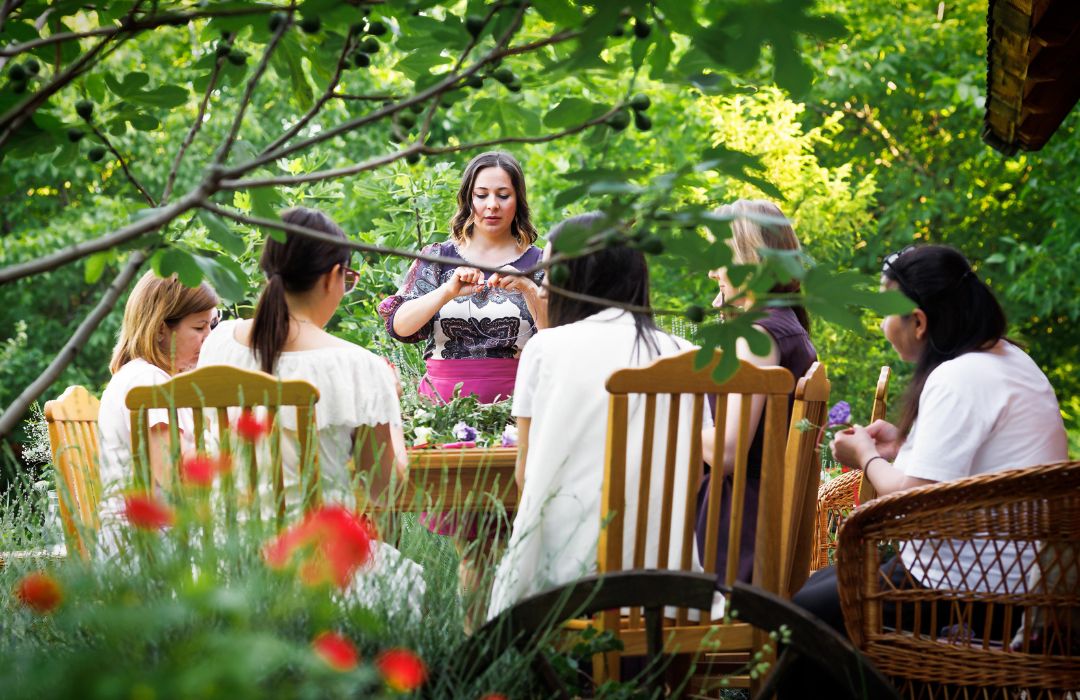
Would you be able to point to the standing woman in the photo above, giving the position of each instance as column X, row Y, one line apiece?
column 475, row 324
column 787, row 328
column 164, row 326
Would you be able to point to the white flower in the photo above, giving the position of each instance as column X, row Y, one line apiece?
column 423, row 435
column 510, row 436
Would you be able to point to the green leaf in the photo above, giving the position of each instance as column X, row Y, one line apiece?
column 183, row 264
column 226, row 281
column 95, row 266
column 559, row 12
column 265, row 202
column 573, row 111
column 759, row 341
column 164, row 96
column 132, row 83
column 221, row 234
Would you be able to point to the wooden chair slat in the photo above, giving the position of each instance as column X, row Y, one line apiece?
column 693, row 478
column 881, row 397
column 712, row 517
column 771, row 498
column 71, row 420
column 613, row 495
column 642, row 523
column 738, row 494
column 668, row 502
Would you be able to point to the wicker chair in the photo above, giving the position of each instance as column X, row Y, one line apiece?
column 1004, row 550
column 839, row 496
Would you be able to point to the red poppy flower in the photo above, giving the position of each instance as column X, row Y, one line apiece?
column 146, row 512
column 39, row 592
column 329, row 545
column 402, row 670
column 249, row 427
column 198, row 470
column 337, row 651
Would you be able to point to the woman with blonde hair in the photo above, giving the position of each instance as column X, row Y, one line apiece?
column 165, row 324
column 756, row 225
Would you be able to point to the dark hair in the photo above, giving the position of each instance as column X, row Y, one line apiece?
column 521, row 228
column 617, row 272
column 962, row 314
column 293, row 266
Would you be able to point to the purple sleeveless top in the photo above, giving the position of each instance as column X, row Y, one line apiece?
column 797, row 353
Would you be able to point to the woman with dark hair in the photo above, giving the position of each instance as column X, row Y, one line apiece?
column 976, row 404
column 788, row 331
column 358, row 414
column 475, row 324
column 561, row 406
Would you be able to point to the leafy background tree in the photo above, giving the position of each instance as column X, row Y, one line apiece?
column 878, row 150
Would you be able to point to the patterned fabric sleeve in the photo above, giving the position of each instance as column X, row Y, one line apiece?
column 422, row 277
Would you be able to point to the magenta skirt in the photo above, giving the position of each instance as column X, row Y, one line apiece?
column 489, row 380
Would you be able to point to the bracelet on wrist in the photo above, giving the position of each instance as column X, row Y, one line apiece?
column 866, row 464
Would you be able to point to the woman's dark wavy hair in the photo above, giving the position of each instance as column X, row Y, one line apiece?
column 521, row 228
column 617, row 273
column 962, row 314
column 292, row 266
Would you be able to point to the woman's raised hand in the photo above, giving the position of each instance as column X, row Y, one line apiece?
column 464, row 281
column 522, row 284
column 852, row 447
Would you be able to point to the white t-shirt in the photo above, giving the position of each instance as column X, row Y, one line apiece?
column 981, row 412
column 356, row 387
column 560, row 387
column 114, row 423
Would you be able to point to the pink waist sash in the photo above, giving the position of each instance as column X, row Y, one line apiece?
column 489, row 380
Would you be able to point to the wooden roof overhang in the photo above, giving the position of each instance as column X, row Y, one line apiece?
column 1033, row 71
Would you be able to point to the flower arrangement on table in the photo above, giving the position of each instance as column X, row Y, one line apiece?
column 462, row 422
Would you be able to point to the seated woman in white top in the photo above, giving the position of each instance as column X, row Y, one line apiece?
column 561, row 406
column 976, row 404
column 165, row 324
column 358, row 414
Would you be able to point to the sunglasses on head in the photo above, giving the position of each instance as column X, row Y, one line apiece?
column 890, row 263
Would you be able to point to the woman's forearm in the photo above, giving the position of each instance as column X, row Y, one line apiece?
column 414, row 314
column 537, row 306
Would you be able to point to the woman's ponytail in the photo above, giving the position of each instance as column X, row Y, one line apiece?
column 270, row 326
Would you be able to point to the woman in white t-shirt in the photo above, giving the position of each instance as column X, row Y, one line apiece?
column 976, row 404
column 358, row 414
column 561, row 406
column 165, row 324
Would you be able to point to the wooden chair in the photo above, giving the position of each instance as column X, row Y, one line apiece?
column 73, row 436
column 217, row 389
column 1022, row 526
column 802, row 474
column 837, row 497
column 675, row 377
column 73, row 441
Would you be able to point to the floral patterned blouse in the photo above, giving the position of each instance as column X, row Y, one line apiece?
column 490, row 324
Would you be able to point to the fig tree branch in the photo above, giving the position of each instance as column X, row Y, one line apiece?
column 151, row 222
column 327, row 95
column 137, row 25
column 193, row 131
column 389, row 110
column 17, row 409
column 249, row 91
column 123, row 164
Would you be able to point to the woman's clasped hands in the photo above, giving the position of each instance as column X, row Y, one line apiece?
column 856, row 445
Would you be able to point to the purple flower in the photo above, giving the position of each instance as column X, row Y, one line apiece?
column 840, row 413
column 464, row 432
column 509, row 436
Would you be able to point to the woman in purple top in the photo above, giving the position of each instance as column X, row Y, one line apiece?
column 475, row 323
column 789, row 346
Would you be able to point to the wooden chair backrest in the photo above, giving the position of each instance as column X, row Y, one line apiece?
column 72, row 420
column 802, row 472
column 1020, row 527
column 218, row 388
column 676, row 376
column 881, row 397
